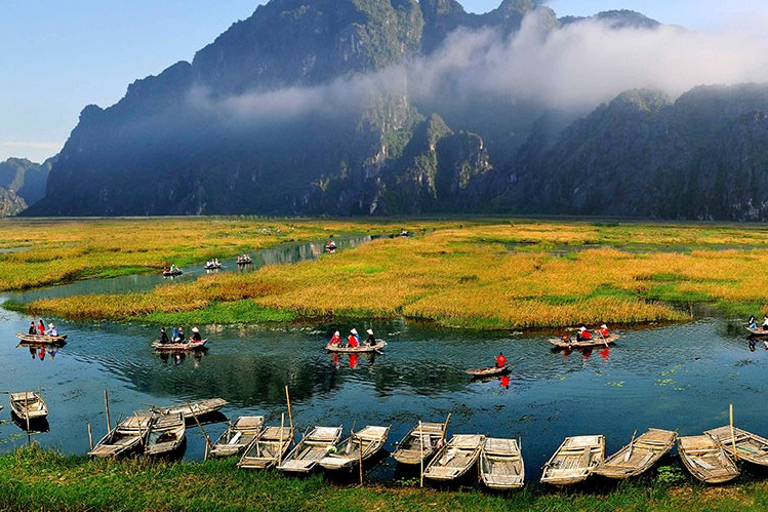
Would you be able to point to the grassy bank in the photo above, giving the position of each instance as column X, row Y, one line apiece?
column 36, row 479
column 480, row 273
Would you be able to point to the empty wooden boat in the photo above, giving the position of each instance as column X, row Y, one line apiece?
column 42, row 338
column 166, row 435
column 199, row 408
column 347, row 453
column 267, row 449
column 455, row 458
column 501, row 464
column 639, row 455
column 706, row 459
column 749, row 447
column 420, row 443
column 124, row 439
column 28, row 405
column 361, row 349
column 574, row 461
column 313, row 447
column 238, row 436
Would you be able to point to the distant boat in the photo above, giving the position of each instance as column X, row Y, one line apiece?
column 171, row 273
column 244, row 260
column 42, row 339
column 179, row 347
column 212, row 266
column 200, row 408
column 360, row 349
column 489, row 371
column 594, row 342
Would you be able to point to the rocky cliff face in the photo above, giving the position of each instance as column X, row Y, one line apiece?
column 21, row 183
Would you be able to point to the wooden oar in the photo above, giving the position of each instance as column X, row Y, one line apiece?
column 631, row 447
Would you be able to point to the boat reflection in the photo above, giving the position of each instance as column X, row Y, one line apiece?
column 179, row 357
column 39, row 351
column 36, row 426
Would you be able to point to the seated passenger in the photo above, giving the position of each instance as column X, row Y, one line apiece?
column 335, row 339
column 583, row 335
column 196, row 338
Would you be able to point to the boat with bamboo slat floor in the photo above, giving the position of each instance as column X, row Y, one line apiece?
column 706, row 459
column 639, row 455
column 489, row 371
column 267, row 449
column 455, row 458
column 238, row 436
column 593, row 343
column 189, row 411
column 501, row 464
column 124, row 439
column 347, row 453
column 28, row 405
column 574, row 461
column 312, row 447
column 179, row 347
column 41, row 339
column 166, row 434
column 361, row 349
column 420, row 443
column 749, row 447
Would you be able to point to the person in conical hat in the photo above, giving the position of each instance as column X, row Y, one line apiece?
column 371, row 340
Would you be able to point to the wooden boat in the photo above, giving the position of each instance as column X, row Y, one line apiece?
column 749, row 447
column 362, row 349
column 166, row 435
column 238, row 436
column 455, row 458
column 124, row 439
column 313, row 447
column 501, row 464
column 212, row 266
column 757, row 331
column 179, row 347
column 171, row 273
column 267, row 449
column 420, row 443
column 347, row 454
column 706, row 459
column 594, row 342
column 574, row 460
column 639, row 455
column 200, row 408
column 244, row 260
column 489, row 371
column 28, row 405
column 42, row 338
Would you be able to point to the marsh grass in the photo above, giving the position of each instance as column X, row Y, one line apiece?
column 463, row 273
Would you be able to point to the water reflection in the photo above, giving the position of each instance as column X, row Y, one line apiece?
column 39, row 351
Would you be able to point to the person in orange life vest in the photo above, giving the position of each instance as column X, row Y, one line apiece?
column 584, row 334
column 604, row 332
column 353, row 341
column 500, row 360
column 335, row 339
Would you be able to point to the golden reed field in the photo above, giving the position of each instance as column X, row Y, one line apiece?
column 478, row 273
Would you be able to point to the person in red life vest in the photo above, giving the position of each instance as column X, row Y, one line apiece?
column 352, row 340
column 584, row 334
column 335, row 339
column 604, row 332
column 500, row 360
column 41, row 327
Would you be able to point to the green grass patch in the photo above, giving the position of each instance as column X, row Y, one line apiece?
column 110, row 272
column 15, row 305
column 237, row 312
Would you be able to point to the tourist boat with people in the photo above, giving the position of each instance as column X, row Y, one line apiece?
column 757, row 331
column 124, row 439
column 596, row 341
column 172, row 272
column 501, row 464
column 706, row 459
column 574, row 460
column 42, row 339
column 489, row 371
column 639, row 455
column 244, row 259
column 363, row 348
column 268, row 448
column 158, row 346
column 455, row 458
column 28, row 406
column 166, row 435
column 238, row 436
column 358, row 447
column 748, row 446
column 311, row 449
column 420, row 443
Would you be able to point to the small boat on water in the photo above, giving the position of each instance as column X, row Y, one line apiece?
column 639, row 455
column 166, row 435
column 312, row 447
column 244, row 260
column 749, row 447
column 706, row 460
column 171, row 273
column 594, row 342
column 455, row 458
column 179, row 347
column 28, row 405
column 420, row 443
column 42, row 339
column 238, row 436
column 574, row 461
column 212, row 266
column 124, row 439
column 267, row 449
column 362, row 349
column 200, row 408
column 501, row 464
column 347, row 453
column 757, row 331
column 489, row 371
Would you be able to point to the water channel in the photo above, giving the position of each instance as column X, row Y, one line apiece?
column 673, row 377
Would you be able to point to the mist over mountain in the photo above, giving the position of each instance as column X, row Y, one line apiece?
column 351, row 107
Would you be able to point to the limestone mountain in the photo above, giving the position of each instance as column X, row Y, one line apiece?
column 22, row 183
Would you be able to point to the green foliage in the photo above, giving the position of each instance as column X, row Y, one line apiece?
column 237, row 312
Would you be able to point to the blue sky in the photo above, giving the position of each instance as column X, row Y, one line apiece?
column 58, row 57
